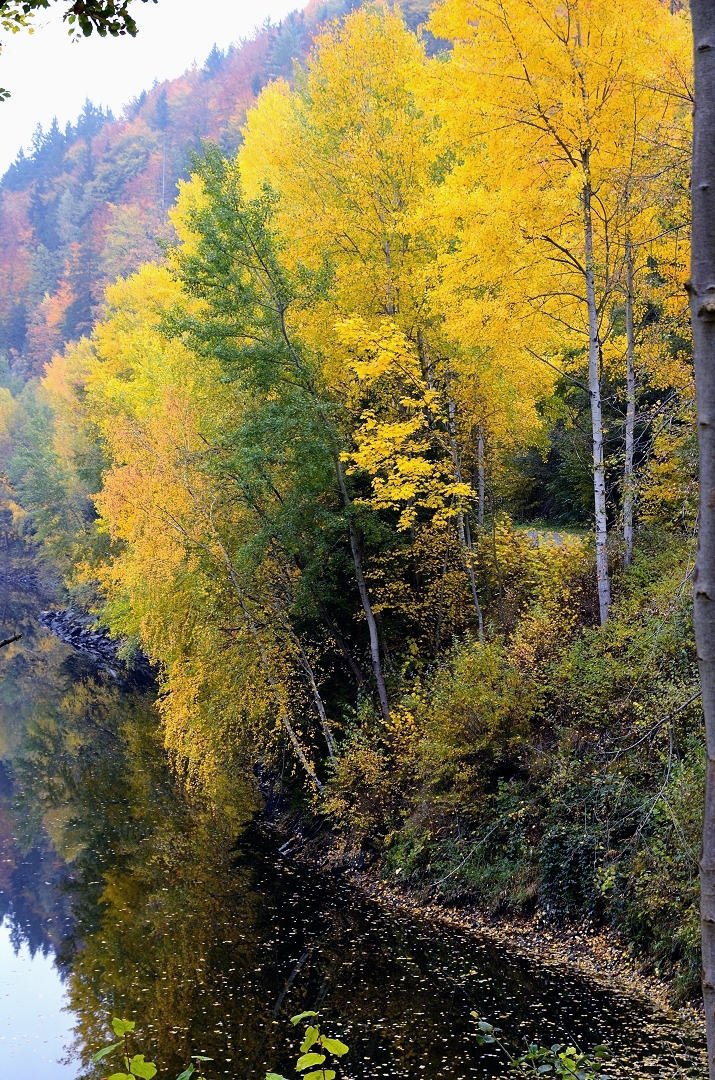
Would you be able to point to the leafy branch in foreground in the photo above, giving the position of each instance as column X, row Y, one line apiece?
column 315, row 1050
column 135, row 1064
column 102, row 16
column 540, row 1061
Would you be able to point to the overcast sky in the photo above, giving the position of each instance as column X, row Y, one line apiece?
column 49, row 75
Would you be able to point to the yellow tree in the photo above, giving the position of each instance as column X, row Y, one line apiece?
column 574, row 103
column 358, row 155
column 215, row 623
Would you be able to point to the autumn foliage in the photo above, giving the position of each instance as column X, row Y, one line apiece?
column 354, row 462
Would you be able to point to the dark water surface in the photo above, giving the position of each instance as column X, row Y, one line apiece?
column 185, row 918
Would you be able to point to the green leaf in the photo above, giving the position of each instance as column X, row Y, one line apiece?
column 144, row 1069
column 105, row 1051
column 301, row 1016
column 270, row 1076
column 320, row 1074
column 119, row 1076
column 123, row 1027
column 333, row 1046
column 544, row 1068
column 311, row 1036
column 198, row 1057
column 307, row 1060
column 187, row 1073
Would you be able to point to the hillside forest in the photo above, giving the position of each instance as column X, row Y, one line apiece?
column 349, row 378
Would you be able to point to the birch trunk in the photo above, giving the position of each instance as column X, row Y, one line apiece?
column 480, row 477
column 465, row 536
column 347, row 503
column 265, row 663
column 628, row 479
column 365, row 600
column 307, row 667
column 594, row 389
column 702, row 311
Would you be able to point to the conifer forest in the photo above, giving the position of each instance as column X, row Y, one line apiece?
column 347, row 397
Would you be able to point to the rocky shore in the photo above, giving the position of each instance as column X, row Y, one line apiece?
column 78, row 630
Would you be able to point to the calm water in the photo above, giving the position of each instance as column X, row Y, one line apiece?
column 34, row 1028
column 126, row 897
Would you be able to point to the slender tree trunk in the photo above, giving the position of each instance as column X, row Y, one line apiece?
column 426, row 360
column 702, row 311
column 628, row 478
column 347, row 503
column 307, row 667
column 594, row 389
column 317, row 698
column 365, row 599
column 339, row 640
column 273, row 685
column 480, row 477
column 465, row 536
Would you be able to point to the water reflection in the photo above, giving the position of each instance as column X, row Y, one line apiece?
column 182, row 916
column 185, row 919
column 34, row 1029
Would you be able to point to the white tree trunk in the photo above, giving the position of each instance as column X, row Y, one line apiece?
column 702, row 311
column 594, row 388
column 628, row 478
column 365, row 599
column 465, row 535
column 480, row 477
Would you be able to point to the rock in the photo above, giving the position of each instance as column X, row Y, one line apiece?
column 78, row 629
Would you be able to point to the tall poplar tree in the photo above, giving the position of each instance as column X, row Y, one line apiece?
column 571, row 116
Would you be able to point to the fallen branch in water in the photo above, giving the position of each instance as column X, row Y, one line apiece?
column 9, row 640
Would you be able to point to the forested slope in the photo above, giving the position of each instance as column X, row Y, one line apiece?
column 389, row 464
column 89, row 202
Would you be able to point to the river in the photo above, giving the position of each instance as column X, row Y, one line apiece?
column 123, row 894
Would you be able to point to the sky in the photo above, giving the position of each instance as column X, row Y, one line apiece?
column 49, row 75
column 34, row 1029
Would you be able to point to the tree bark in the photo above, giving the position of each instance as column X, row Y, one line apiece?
column 628, row 479
column 465, row 536
column 594, row 389
column 365, row 599
column 307, row 667
column 480, row 477
column 701, row 288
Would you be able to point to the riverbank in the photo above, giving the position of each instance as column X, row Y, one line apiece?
column 597, row 953
column 594, row 953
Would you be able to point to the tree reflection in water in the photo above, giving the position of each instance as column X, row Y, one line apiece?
column 185, row 919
